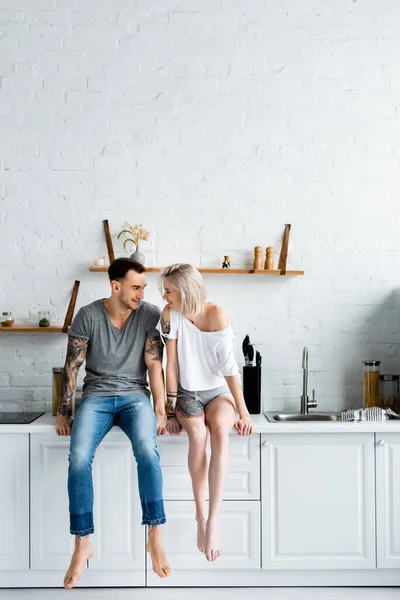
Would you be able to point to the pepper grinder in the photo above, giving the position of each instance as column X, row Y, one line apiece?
column 269, row 259
column 257, row 265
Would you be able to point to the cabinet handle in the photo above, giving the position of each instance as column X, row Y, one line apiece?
column 381, row 442
column 265, row 444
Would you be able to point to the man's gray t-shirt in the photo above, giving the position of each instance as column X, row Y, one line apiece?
column 115, row 364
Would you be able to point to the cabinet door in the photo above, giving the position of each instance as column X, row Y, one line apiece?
column 51, row 542
column 243, row 450
column 318, row 501
column 243, row 483
column 119, row 539
column 14, row 501
column 388, row 500
column 239, row 536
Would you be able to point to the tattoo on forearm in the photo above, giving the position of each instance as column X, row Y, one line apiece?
column 155, row 348
column 171, row 402
column 76, row 354
column 165, row 326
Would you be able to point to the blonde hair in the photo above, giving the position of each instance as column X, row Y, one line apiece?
column 189, row 283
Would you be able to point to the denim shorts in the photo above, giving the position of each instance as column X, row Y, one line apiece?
column 193, row 403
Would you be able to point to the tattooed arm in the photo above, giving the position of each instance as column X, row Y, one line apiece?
column 173, row 425
column 76, row 354
column 172, row 362
column 153, row 353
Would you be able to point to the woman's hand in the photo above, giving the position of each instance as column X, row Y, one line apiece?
column 161, row 423
column 173, row 426
column 243, row 425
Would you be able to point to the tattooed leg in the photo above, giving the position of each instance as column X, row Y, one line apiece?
column 190, row 413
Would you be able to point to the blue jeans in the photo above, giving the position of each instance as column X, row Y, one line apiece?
column 94, row 419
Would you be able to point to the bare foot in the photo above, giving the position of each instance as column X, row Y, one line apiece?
column 212, row 550
column 201, row 535
column 83, row 551
column 157, row 553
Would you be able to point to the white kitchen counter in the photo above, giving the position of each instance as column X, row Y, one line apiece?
column 45, row 424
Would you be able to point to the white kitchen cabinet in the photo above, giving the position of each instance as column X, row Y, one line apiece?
column 243, row 450
column 318, row 501
column 51, row 542
column 119, row 539
column 243, row 483
column 14, row 502
column 239, row 536
column 388, row 500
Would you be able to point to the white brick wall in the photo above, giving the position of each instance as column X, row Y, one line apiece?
column 213, row 122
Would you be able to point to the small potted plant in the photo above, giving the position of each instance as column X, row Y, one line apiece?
column 137, row 234
column 44, row 318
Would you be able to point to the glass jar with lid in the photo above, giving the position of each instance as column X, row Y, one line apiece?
column 390, row 392
column 57, row 376
column 372, row 396
column 7, row 319
column 44, row 318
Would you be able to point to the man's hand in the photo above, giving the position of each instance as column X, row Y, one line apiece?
column 243, row 425
column 63, row 425
column 173, row 426
column 161, row 423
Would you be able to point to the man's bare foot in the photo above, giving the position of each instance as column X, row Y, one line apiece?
column 157, row 553
column 83, row 551
column 212, row 550
column 201, row 534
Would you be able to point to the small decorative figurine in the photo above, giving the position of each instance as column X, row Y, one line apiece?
column 226, row 263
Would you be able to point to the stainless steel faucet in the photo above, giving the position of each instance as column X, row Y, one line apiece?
column 306, row 403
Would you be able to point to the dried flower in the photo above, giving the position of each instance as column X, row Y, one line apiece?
column 137, row 233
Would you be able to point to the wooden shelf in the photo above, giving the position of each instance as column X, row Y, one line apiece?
column 216, row 271
column 31, row 329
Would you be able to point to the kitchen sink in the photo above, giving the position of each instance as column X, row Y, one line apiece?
column 298, row 418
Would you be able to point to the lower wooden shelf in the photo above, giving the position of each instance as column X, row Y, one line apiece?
column 31, row 329
column 216, row 271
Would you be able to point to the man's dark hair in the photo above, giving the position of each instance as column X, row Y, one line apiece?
column 120, row 266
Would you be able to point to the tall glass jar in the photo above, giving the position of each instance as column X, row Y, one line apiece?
column 390, row 392
column 57, row 375
column 372, row 396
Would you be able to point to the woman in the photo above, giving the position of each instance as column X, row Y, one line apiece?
column 203, row 390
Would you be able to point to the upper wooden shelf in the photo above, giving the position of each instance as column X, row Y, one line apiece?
column 216, row 271
column 30, row 329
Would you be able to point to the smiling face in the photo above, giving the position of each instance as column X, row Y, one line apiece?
column 171, row 296
column 130, row 289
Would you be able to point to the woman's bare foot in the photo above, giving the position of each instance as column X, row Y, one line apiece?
column 201, row 534
column 82, row 553
column 157, row 553
column 212, row 550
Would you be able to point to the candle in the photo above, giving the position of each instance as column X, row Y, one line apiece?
column 99, row 261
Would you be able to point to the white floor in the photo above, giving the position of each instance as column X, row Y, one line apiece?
column 209, row 593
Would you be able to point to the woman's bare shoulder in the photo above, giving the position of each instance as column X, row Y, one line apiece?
column 217, row 317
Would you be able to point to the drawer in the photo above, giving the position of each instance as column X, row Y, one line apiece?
column 243, row 483
column 243, row 450
column 239, row 535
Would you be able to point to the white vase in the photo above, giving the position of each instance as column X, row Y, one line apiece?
column 138, row 256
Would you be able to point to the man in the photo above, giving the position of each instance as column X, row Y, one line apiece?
column 117, row 337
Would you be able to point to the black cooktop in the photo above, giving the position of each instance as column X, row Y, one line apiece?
column 10, row 418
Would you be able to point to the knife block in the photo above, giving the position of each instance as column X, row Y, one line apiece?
column 252, row 389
